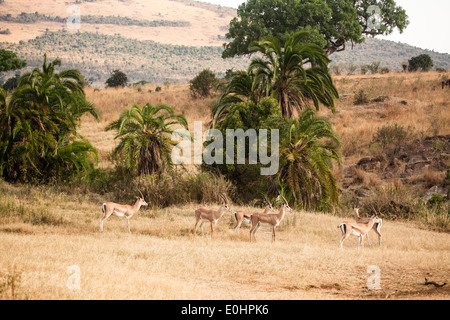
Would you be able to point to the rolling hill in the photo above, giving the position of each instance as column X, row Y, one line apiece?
column 157, row 41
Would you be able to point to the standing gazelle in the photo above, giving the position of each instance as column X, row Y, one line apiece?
column 357, row 229
column 245, row 216
column 273, row 219
column 122, row 210
column 204, row 214
column 376, row 227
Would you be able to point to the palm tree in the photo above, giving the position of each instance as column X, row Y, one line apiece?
column 241, row 86
column 39, row 139
column 146, row 137
column 283, row 73
column 308, row 147
column 60, row 96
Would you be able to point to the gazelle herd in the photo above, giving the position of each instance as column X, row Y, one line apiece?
column 360, row 227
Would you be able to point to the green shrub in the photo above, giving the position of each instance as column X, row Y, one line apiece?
column 201, row 86
column 422, row 62
column 436, row 200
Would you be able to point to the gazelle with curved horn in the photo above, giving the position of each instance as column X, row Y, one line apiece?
column 349, row 228
column 122, row 210
column 273, row 219
column 376, row 226
column 245, row 216
column 212, row 216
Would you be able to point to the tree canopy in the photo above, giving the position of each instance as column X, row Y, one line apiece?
column 423, row 62
column 330, row 23
column 145, row 137
column 117, row 79
column 10, row 62
column 295, row 74
column 39, row 141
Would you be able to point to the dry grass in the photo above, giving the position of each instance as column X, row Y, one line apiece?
column 111, row 102
column 413, row 100
column 44, row 230
column 162, row 260
column 424, row 109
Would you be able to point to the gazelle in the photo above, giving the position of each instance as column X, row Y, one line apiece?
column 273, row 219
column 357, row 229
column 245, row 216
column 376, row 227
column 121, row 210
column 204, row 214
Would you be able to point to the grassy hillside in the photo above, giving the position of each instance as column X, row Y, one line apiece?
column 389, row 53
column 159, row 41
column 96, row 55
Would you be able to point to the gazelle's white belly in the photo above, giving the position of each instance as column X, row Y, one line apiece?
column 119, row 214
column 355, row 233
column 206, row 220
column 268, row 224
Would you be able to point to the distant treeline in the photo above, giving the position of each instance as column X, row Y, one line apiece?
column 117, row 20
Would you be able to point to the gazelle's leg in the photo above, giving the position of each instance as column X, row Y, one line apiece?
column 253, row 231
column 201, row 226
column 238, row 221
column 343, row 238
column 128, row 225
column 105, row 216
column 273, row 234
column 256, row 230
column 345, row 234
column 195, row 227
column 212, row 229
column 378, row 232
column 238, row 225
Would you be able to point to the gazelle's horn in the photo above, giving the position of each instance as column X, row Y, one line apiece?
column 267, row 199
column 224, row 197
column 141, row 193
column 285, row 201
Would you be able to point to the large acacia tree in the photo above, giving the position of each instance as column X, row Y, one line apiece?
column 331, row 23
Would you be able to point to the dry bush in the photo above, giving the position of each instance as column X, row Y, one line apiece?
column 433, row 178
column 367, row 180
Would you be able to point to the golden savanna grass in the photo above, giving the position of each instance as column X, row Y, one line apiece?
column 45, row 230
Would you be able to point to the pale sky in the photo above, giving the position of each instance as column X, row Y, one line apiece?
column 429, row 23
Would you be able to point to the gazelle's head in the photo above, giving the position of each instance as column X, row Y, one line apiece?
column 141, row 200
column 225, row 204
column 286, row 204
column 269, row 204
column 376, row 219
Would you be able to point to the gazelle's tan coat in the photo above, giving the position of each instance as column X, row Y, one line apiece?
column 349, row 228
column 121, row 210
column 273, row 220
column 376, row 227
column 212, row 216
column 245, row 216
